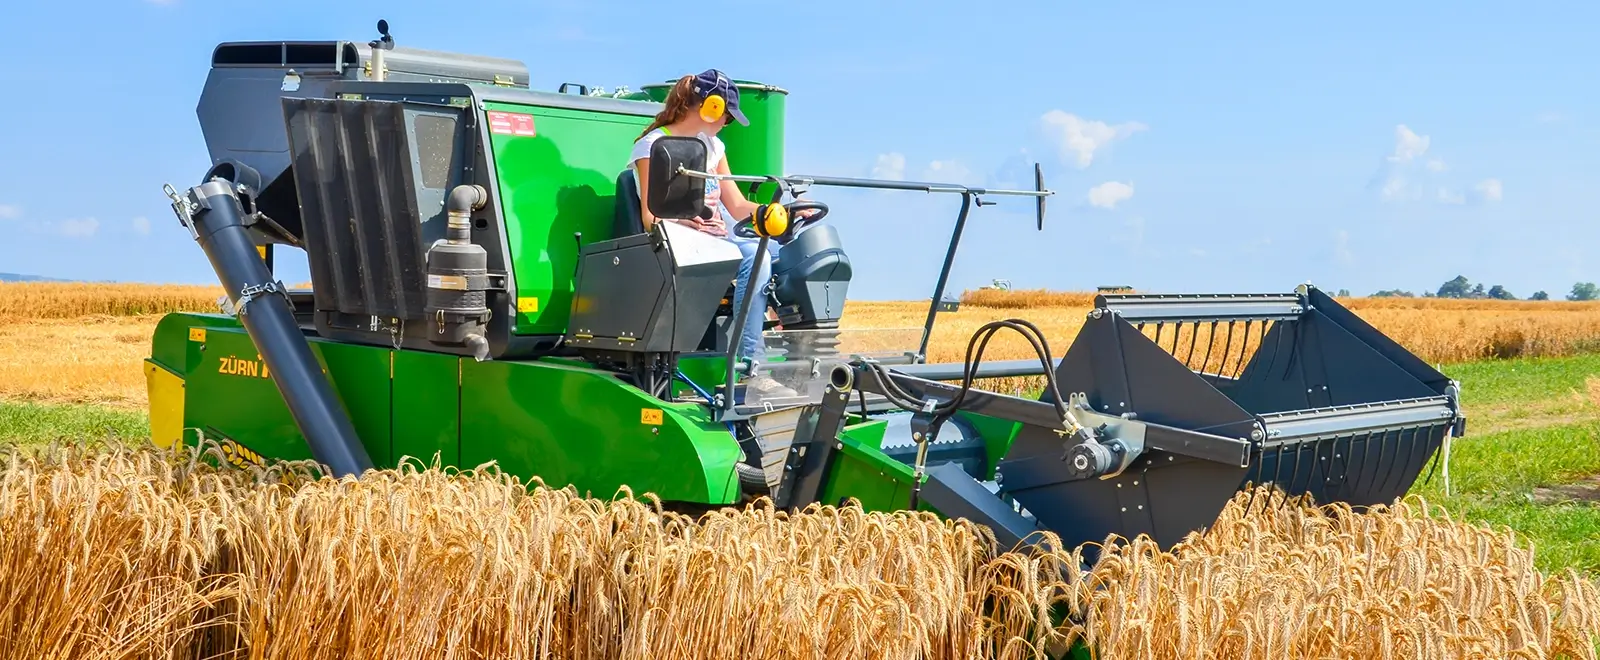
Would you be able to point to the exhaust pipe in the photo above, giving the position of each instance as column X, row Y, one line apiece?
column 215, row 219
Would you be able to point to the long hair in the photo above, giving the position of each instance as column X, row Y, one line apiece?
column 678, row 103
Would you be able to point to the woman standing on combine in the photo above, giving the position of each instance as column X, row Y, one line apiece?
column 682, row 116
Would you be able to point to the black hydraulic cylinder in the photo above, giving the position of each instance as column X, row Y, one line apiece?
column 216, row 220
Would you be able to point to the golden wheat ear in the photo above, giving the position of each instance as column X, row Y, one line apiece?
column 114, row 552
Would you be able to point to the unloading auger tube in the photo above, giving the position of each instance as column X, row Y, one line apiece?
column 1159, row 431
column 216, row 219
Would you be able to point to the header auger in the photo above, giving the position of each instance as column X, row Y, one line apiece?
column 482, row 290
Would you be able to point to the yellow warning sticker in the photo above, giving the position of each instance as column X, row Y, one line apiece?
column 197, row 334
column 527, row 305
column 261, row 250
column 651, row 416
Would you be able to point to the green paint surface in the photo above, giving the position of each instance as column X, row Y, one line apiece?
column 863, row 472
column 249, row 409
column 555, row 185
column 427, row 408
column 706, row 371
column 997, row 434
column 563, row 423
column 169, row 344
column 571, row 425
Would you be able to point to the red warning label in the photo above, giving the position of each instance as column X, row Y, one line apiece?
column 511, row 123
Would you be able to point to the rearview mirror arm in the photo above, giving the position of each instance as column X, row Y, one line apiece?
column 944, row 274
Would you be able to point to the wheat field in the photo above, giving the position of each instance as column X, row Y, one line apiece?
column 83, row 343
column 119, row 552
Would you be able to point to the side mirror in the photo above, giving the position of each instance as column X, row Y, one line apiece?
column 674, row 194
column 1038, row 186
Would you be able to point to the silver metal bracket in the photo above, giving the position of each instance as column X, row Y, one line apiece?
column 1110, row 430
column 250, row 293
column 184, row 207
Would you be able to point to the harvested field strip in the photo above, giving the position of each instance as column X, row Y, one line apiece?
column 118, row 552
column 79, row 343
column 61, row 300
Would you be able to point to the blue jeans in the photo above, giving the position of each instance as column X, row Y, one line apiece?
column 752, row 345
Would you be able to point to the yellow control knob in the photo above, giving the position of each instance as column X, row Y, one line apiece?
column 711, row 110
column 771, row 220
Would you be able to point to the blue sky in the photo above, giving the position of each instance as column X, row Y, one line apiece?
column 1241, row 146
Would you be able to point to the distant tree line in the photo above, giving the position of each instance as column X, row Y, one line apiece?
column 1460, row 287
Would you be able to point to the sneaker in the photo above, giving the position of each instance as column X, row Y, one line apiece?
column 762, row 387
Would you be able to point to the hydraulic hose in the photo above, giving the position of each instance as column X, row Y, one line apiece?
column 216, row 220
column 975, row 348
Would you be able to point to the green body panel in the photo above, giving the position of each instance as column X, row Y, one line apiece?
column 552, row 419
column 861, row 471
column 427, row 408
column 997, row 435
column 868, row 433
column 707, row 371
column 169, row 344
column 588, row 428
column 560, row 182
column 756, row 149
column 227, row 395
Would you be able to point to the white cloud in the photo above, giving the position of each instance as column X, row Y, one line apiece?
column 1490, row 190
column 141, row 225
column 1108, row 194
column 1405, row 173
column 1341, row 247
column 1408, row 145
column 890, row 166
column 948, row 171
column 78, row 227
column 10, row 212
column 1397, row 189
column 1079, row 138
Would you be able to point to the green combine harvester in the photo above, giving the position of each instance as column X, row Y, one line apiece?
column 482, row 291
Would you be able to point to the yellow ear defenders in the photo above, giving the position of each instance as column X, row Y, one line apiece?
column 770, row 220
column 713, row 107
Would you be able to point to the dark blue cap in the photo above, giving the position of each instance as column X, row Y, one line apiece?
column 713, row 81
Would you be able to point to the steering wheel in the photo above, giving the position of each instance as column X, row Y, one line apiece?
column 746, row 228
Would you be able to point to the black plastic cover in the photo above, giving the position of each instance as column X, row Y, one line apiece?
column 353, row 168
column 635, row 295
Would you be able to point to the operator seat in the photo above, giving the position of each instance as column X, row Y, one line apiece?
column 627, row 221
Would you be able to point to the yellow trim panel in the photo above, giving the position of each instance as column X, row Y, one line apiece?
column 166, row 404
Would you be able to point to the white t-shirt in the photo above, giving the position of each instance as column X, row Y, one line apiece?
column 641, row 150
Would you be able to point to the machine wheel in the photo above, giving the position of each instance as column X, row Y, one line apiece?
column 752, row 479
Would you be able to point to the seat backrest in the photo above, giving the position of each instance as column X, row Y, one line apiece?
column 627, row 221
